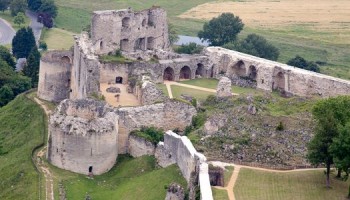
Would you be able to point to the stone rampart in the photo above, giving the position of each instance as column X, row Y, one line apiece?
column 270, row 75
column 169, row 115
column 54, row 75
column 179, row 149
column 139, row 146
column 83, row 137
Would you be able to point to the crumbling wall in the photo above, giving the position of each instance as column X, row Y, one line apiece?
column 85, row 77
column 140, row 146
column 270, row 75
column 151, row 94
column 83, row 137
column 54, row 75
column 169, row 115
column 129, row 31
column 179, row 149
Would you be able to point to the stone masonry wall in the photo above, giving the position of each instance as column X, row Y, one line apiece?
column 169, row 115
column 139, row 146
column 270, row 75
column 80, row 141
column 54, row 75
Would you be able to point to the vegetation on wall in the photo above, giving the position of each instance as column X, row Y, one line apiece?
column 151, row 134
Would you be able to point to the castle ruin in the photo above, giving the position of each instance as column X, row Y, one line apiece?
column 86, row 136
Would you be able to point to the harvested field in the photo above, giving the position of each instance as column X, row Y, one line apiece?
column 319, row 15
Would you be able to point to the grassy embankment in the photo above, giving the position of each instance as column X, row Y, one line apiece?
column 307, row 185
column 130, row 179
column 22, row 129
column 7, row 16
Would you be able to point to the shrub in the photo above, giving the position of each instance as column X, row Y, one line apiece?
column 280, row 127
column 151, row 134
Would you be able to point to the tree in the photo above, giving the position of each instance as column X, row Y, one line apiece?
column 32, row 68
column 329, row 114
column 340, row 150
column 48, row 7
column 255, row 45
column 173, row 37
column 221, row 30
column 4, row 4
column 34, row 5
column 17, row 6
column 191, row 48
column 23, row 42
column 6, row 95
column 6, row 56
column 300, row 62
column 19, row 19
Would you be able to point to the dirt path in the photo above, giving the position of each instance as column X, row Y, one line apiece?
column 170, row 93
column 49, row 191
column 237, row 168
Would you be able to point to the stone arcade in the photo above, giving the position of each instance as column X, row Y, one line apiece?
column 86, row 135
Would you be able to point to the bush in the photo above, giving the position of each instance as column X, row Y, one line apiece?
column 194, row 102
column 43, row 45
column 191, row 48
column 151, row 134
column 280, row 127
column 300, row 62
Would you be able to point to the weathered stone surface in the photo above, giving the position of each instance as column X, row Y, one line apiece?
column 150, row 94
column 113, row 90
column 82, row 136
column 224, row 88
column 139, row 146
column 175, row 192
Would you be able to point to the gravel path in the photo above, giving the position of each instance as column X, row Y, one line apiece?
column 6, row 32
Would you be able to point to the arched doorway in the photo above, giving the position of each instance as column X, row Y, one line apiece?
column 200, row 70
column 252, row 73
column 279, row 82
column 119, row 80
column 90, row 169
column 65, row 59
column 238, row 69
column 168, row 74
column 185, row 73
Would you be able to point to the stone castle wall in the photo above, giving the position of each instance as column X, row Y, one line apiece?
column 167, row 116
column 83, row 137
column 129, row 31
column 139, row 146
column 270, row 75
column 54, row 75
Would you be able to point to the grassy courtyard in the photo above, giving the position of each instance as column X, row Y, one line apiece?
column 308, row 185
column 22, row 129
column 130, row 178
column 58, row 39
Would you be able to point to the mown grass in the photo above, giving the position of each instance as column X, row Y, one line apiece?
column 58, row 39
column 219, row 194
column 22, row 128
column 198, row 94
column 227, row 174
column 131, row 178
column 307, row 185
column 7, row 16
column 163, row 88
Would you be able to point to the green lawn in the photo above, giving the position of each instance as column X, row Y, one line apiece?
column 131, row 178
column 219, row 194
column 308, row 185
column 198, row 94
column 22, row 128
column 58, row 39
column 163, row 88
column 227, row 174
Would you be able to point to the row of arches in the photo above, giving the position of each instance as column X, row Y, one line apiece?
column 185, row 72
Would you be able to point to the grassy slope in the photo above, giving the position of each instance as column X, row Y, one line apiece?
column 219, row 194
column 19, row 179
column 58, row 39
column 310, row 185
column 129, row 179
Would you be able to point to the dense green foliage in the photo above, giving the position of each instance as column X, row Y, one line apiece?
column 48, row 7
column 191, row 48
column 23, row 42
column 22, row 125
column 32, row 68
column 255, row 45
column 4, row 4
column 173, row 36
column 17, row 6
column 34, row 5
column 19, row 19
column 11, row 83
column 221, row 30
column 300, row 62
column 6, row 56
column 151, row 134
column 330, row 115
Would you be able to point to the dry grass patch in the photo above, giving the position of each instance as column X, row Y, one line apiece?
column 319, row 15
